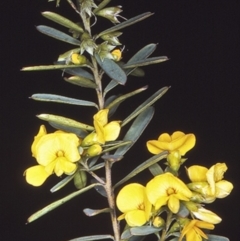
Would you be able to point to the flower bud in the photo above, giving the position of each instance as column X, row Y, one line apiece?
column 110, row 13
column 94, row 150
column 158, row 222
column 89, row 139
column 78, row 59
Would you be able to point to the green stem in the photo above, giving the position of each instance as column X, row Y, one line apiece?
column 111, row 201
column 168, row 223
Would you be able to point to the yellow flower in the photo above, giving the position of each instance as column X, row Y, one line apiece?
column 178, row 141
column 166, row 189
column 133, row 202
column 208, row 182
column 104, row 131
column 56, row 152
column 192, row 230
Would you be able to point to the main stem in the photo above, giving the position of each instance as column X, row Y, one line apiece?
column 111, row 200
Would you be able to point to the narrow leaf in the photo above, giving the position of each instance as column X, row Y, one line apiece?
column 62, row 99
column 212, row 237
column 79, row 132
column 65, row 121
column 81, row 81
column 79, row 72
column 54, row 33
column 144, row 62
column 144, row 230
column 112, row 70
column 140, row 55
column 93, row 237
column 143, row 53
column 49, row 67
column 58, row 203
column 120, row 99
column 136, row 129
column 62, row 183
column 152, row 99
column 93, row 212
column 126, row 23
column 62, row 21
column 143, row 166
column 155, row 169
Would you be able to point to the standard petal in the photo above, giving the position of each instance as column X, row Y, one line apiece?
column 153, row 147
column 223, row 188
column 197, row 173
column 219, row 170
column 188, row 142
column 101, row 117
column 100, row 132
column 165, row 137
column 42, row 131
column 130, row 197
column 36, row 175
column 111, row 131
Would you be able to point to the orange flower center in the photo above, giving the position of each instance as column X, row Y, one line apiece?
column 60, row 153
column 141, row 206
column 171, row 191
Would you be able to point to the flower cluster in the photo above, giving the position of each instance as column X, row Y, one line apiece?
column 61, row 152
column 144, row 205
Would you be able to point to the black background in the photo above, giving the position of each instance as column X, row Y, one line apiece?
column 201, row 38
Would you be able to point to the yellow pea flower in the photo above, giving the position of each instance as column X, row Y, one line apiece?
column 192, row 230
column 55, row 153
column 209, row 182
column 133, row 202
column 104, row 131
column 178, row 141
column 166, row 189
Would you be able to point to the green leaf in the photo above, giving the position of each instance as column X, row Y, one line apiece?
column 136, row 129
column 65, row 121
column 126, row 23
column 93, row 212
column 54, row 33
column 144, row 230
column 80, row 179
column 101, row 5
column 144, row 62
column 49, row 67
column 212, row 237
column 58, row 203
column 155, row 169
column 154, row 159
column 79, row 72
column 61, row 184
column 152, row 99
column 140, row 55
column 81, row 81
column 79, row 132
column 62, row 99
column 93, row 237
column 122, row 143
column 143, row 53
column 112, row 70
column 120, row 99
column 62, row 21
column 97, row 167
